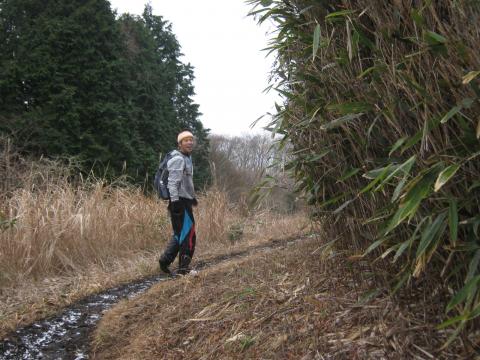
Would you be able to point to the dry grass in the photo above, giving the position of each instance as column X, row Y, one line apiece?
column 280, row 304
column 63, row 230
column 60, row 242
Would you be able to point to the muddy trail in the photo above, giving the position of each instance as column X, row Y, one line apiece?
column 67, row 334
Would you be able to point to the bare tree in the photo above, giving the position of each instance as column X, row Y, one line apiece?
column 241, row 164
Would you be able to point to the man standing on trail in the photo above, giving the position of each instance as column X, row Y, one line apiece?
column 182, row 198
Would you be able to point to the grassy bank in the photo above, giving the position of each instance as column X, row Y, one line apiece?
column 278, row 304
column 60, row 242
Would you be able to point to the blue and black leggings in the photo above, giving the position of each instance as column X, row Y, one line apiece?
column 184, row 236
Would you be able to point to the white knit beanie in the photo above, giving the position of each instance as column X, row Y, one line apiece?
column 184, row 135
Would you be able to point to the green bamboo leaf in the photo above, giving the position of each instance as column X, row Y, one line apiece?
column 411, row 201
column 333, row 200
column 453, row 221
column 433, row 38
column 377, row 179
column 340, row 121
column 316, row 40
column 404, row 245
column 337, row 14
column 373, row 174
column 372, row 69
column 446, row 175
column 410, row 241
column 469, row 288
column 430, row 232
column 349, row 174
column 403, row 168
column 412, row 141
column 374, row 245
column 450, row 114
column 452, row 321
column 454, row 335
column 397, row 144
column 390, row 250
column 473, row 266
column 317, row 157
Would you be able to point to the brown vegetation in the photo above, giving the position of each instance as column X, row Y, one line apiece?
column 298, row 302
column 62, row 238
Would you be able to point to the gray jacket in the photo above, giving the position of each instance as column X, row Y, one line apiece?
column 180, row 176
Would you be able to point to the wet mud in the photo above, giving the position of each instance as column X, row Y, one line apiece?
column 67, row 334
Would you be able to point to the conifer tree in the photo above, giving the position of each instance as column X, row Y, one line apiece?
column 62, row 81
column 76, row 81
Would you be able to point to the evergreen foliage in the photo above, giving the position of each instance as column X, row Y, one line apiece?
column 76, row 81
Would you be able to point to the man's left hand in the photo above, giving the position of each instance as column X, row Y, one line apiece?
column 194, row 202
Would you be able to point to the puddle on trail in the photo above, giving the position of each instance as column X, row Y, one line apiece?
column 66, row 335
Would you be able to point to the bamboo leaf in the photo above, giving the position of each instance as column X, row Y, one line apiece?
column 337, row 14
column 430, row 232
column 452, row 321
column 470, row 287
column 376, row 180
column 453, row 221
column 343, row 206
column 349, row 174
column 389, row 251
column 411, row 202
column 374, row 246
column 405, row 168
column 397, row 144
column 332, row 200
column 317, row 157
column 473, row 267
column 450, row 114
column 402, row 249
column 399, row 188
column 316, row 40
column 446, row 175
column 470, row 76
column 340, row 121
column 433, row 38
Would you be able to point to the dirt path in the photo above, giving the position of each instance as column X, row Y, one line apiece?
column 67, row 334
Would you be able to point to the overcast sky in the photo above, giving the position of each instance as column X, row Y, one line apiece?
column 224, row 46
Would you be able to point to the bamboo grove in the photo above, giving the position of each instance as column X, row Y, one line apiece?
column 381, row 104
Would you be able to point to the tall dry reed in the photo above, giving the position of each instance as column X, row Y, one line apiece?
column 53, row 223
column 62, row 228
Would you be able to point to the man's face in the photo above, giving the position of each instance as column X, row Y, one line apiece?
column 186, row 145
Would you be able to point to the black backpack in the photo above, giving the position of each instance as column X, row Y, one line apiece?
column 160, row 181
